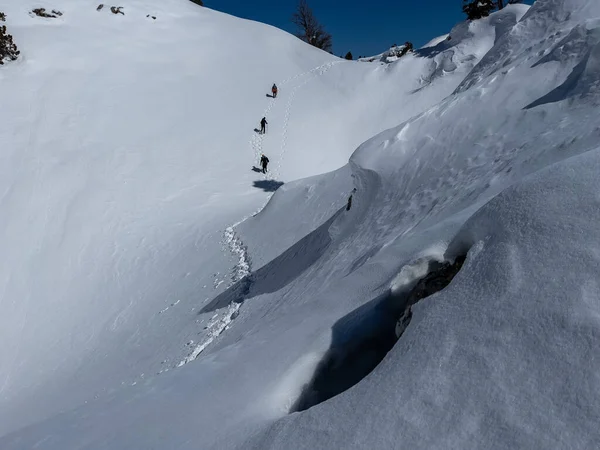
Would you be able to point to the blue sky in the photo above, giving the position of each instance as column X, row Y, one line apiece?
column 363, row 27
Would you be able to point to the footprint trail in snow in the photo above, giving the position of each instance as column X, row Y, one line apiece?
column 222, row 320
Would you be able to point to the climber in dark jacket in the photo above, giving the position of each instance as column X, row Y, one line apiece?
column 263, row 124
column 263, row 162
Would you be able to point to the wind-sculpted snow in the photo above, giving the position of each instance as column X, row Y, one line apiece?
column 362, row 339
column 127, row 149
column 506, row 340
column 577, row 43
column 482, row 358
column 279, row 272
column 467, row 43
column 503, row 356
column 583, row 80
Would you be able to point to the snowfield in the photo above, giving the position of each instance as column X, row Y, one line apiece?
column 158, row 292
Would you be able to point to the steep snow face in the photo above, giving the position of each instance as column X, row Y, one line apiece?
column 450, row 53
column 389, row 56
column 436, row 41
column 503, row 171
column 128, row 145
column 125, row 155
column 504, row 357
column 469, row 40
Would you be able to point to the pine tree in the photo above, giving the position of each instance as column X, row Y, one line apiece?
column 8, row 49
column 477, row 9
column 349, row 56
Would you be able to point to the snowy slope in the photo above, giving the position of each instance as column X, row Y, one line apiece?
column 128, row 156
column 436, row 41
column 127, row 151
column 505, row 357
column 121, row 172
column 496, row 159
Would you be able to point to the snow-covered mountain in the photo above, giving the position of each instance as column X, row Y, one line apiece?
column 146, row 305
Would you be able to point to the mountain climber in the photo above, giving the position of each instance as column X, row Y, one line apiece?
column 263, row 124
column 263, row 162
column 274, row 90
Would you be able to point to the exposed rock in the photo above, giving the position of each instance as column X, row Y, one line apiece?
column 362, row 339
column 41, row 12
column 437, row 279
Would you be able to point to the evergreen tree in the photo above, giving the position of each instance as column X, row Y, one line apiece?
column 476, row 9
column 349, row 56
column 8, row 49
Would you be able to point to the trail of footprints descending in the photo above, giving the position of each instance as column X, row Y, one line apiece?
column 222, row 320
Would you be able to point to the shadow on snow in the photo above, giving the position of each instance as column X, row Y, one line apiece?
column 362, row 338
column 267, row 185
column 278, row 273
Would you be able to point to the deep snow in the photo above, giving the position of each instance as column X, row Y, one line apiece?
column 127, row 178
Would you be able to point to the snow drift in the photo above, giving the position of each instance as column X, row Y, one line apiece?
column 495, row 159
column 128, row 145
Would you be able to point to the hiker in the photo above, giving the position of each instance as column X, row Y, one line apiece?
column 263, row 124
column 263, row 162
column 274, row 90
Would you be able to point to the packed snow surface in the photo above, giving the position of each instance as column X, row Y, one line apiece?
column 157, row 291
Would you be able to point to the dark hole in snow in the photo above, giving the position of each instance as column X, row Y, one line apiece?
column 363, row 338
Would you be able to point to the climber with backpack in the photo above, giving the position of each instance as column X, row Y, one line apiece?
column 263, row 163
column 274, row 90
